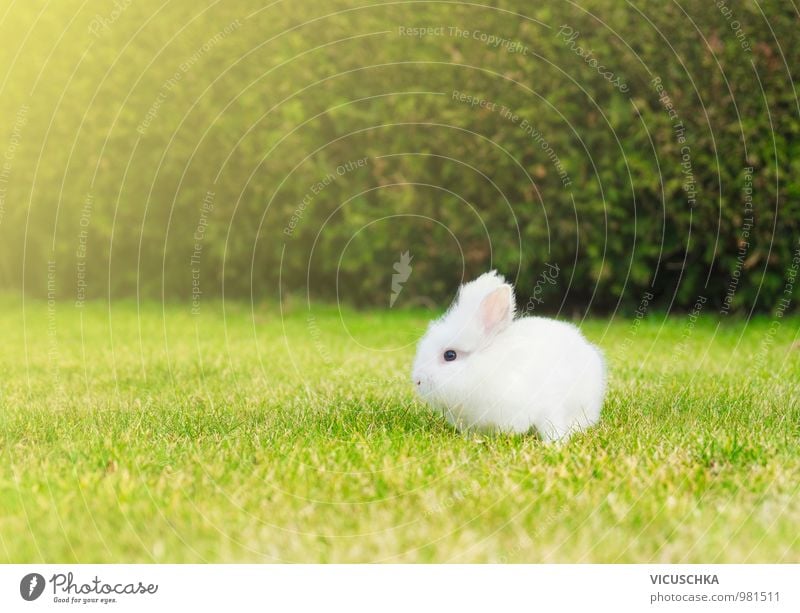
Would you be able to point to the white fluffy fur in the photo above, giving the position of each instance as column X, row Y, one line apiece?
column 520, row 374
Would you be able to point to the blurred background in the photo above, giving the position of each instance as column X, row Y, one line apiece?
column 603, row 154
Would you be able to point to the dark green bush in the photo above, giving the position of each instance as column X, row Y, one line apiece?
column 166, row 119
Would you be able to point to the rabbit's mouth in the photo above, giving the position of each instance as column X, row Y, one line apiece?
column 424, row 390
column 429, row 393
column 433, row 397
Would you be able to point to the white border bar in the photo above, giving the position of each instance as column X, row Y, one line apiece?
column 403, row 588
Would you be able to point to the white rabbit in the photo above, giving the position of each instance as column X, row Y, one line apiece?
column 487, row 371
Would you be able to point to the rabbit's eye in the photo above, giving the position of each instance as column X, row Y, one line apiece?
column 449, row 355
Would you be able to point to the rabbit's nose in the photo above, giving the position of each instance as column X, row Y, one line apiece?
column 418, row 382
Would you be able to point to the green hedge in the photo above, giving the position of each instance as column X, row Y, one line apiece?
column 600, row 154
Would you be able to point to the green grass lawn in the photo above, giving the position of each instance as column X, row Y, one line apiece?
column 139, row 434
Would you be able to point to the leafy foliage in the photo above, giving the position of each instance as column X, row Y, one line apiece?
column 228, row 122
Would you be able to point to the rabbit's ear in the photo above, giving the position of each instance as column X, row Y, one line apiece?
column 497, row 309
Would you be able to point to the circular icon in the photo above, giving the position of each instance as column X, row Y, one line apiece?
column 31, row 586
